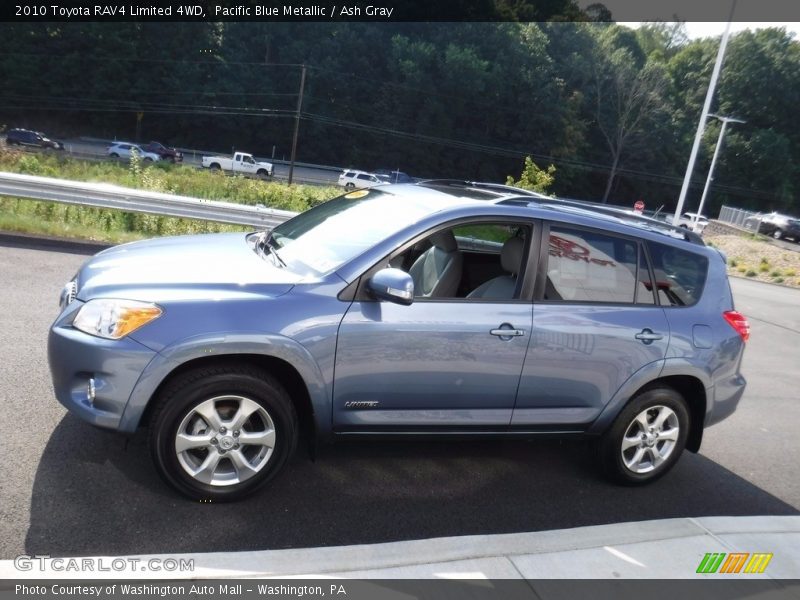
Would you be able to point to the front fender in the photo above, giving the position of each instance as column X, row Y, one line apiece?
column 225, row 345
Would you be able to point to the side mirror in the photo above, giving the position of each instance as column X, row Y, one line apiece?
column 392, row 285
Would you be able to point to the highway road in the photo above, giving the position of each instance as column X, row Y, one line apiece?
column 303, row 173
column 70, row 489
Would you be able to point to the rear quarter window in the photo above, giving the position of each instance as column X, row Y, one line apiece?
column 680, row 275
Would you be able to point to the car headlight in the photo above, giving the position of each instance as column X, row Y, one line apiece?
column 114, row 319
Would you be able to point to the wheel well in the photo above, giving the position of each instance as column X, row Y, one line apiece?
column 694, row 392
column 284, row 372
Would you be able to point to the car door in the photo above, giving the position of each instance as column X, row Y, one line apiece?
column 596, row 324
column 441, row 363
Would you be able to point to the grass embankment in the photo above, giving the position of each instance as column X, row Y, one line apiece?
column 52, row 218
column 752, row 257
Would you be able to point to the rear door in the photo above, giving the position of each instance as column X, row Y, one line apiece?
column 595, row 324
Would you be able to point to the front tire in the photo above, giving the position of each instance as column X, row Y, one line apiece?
column 647, row 437
column 220, row 433
column 777, row 234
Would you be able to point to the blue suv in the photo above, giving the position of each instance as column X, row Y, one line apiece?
column 440, row 308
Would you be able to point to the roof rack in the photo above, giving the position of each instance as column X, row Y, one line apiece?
column 497, row 188
column 623, row 214
column 528, row 196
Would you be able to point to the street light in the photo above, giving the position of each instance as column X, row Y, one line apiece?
column 703, row 116
column 709, row 179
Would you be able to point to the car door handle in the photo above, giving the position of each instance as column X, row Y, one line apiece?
column 506, row 331
column 648, row 337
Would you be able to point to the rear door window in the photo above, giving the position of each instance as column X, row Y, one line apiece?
column 588, row 266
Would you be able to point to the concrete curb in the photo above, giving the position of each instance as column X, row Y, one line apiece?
column 670, row 548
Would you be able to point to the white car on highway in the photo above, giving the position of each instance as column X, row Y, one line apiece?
column 352, row 179
column 125, row 149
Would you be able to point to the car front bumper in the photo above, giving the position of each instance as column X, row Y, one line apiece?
column 94, row 377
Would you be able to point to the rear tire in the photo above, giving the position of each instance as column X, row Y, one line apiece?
column 777, row 234
column 350, row 186
column 214, row 167
column 647, row 437
column 114, row 155
column 220, row 433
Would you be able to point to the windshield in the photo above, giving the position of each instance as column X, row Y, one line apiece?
column 329, row 235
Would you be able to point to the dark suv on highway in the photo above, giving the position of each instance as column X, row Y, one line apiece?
column 440, row 308
column 165, row 152
column 34, row 139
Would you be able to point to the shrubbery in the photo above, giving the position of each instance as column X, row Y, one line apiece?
column 50, row 217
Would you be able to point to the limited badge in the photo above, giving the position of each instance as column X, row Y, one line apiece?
column 356, row 195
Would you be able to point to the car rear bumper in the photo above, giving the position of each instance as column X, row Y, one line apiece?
column 726, row 396
column 94, row 377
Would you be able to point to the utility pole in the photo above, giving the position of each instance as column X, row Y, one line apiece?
column 703, row 116
column 297, row 123
column 725, row 121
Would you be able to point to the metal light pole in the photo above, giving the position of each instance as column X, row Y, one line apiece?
column 710, row 178
column 703, row 116
column 297, row 123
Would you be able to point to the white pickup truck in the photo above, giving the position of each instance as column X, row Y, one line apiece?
column 240, row 163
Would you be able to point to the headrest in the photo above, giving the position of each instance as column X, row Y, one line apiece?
column 511, row 254
column 444, row 240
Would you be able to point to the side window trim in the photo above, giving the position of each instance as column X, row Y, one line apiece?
column 644, row 252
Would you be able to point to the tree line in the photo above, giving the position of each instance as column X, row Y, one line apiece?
column 613, row 109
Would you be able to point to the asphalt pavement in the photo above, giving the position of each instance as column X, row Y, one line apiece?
column 70, row 489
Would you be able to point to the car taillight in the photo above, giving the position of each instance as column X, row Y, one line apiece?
column 738, row 322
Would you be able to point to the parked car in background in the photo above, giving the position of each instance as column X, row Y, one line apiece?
column 775, row 224
column 390, row 176
column 241, row 162
column 165, row 152
column 404, row 310
column 32, row 139
column 687, row 221
column 126, row 149
column 352, row 179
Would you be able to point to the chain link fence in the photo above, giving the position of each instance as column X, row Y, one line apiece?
column 746, row 219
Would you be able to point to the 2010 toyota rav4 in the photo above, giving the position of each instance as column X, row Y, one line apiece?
column 436, row 308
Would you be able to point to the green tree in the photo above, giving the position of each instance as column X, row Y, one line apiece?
column 533, row 178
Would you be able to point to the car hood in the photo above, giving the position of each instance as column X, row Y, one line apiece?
column 184, row 267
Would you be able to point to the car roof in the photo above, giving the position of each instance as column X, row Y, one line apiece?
column 506, row 195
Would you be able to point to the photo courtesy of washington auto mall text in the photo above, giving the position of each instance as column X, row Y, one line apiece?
column 173, row 590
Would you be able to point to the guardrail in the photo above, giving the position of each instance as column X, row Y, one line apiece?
column 103, row 195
